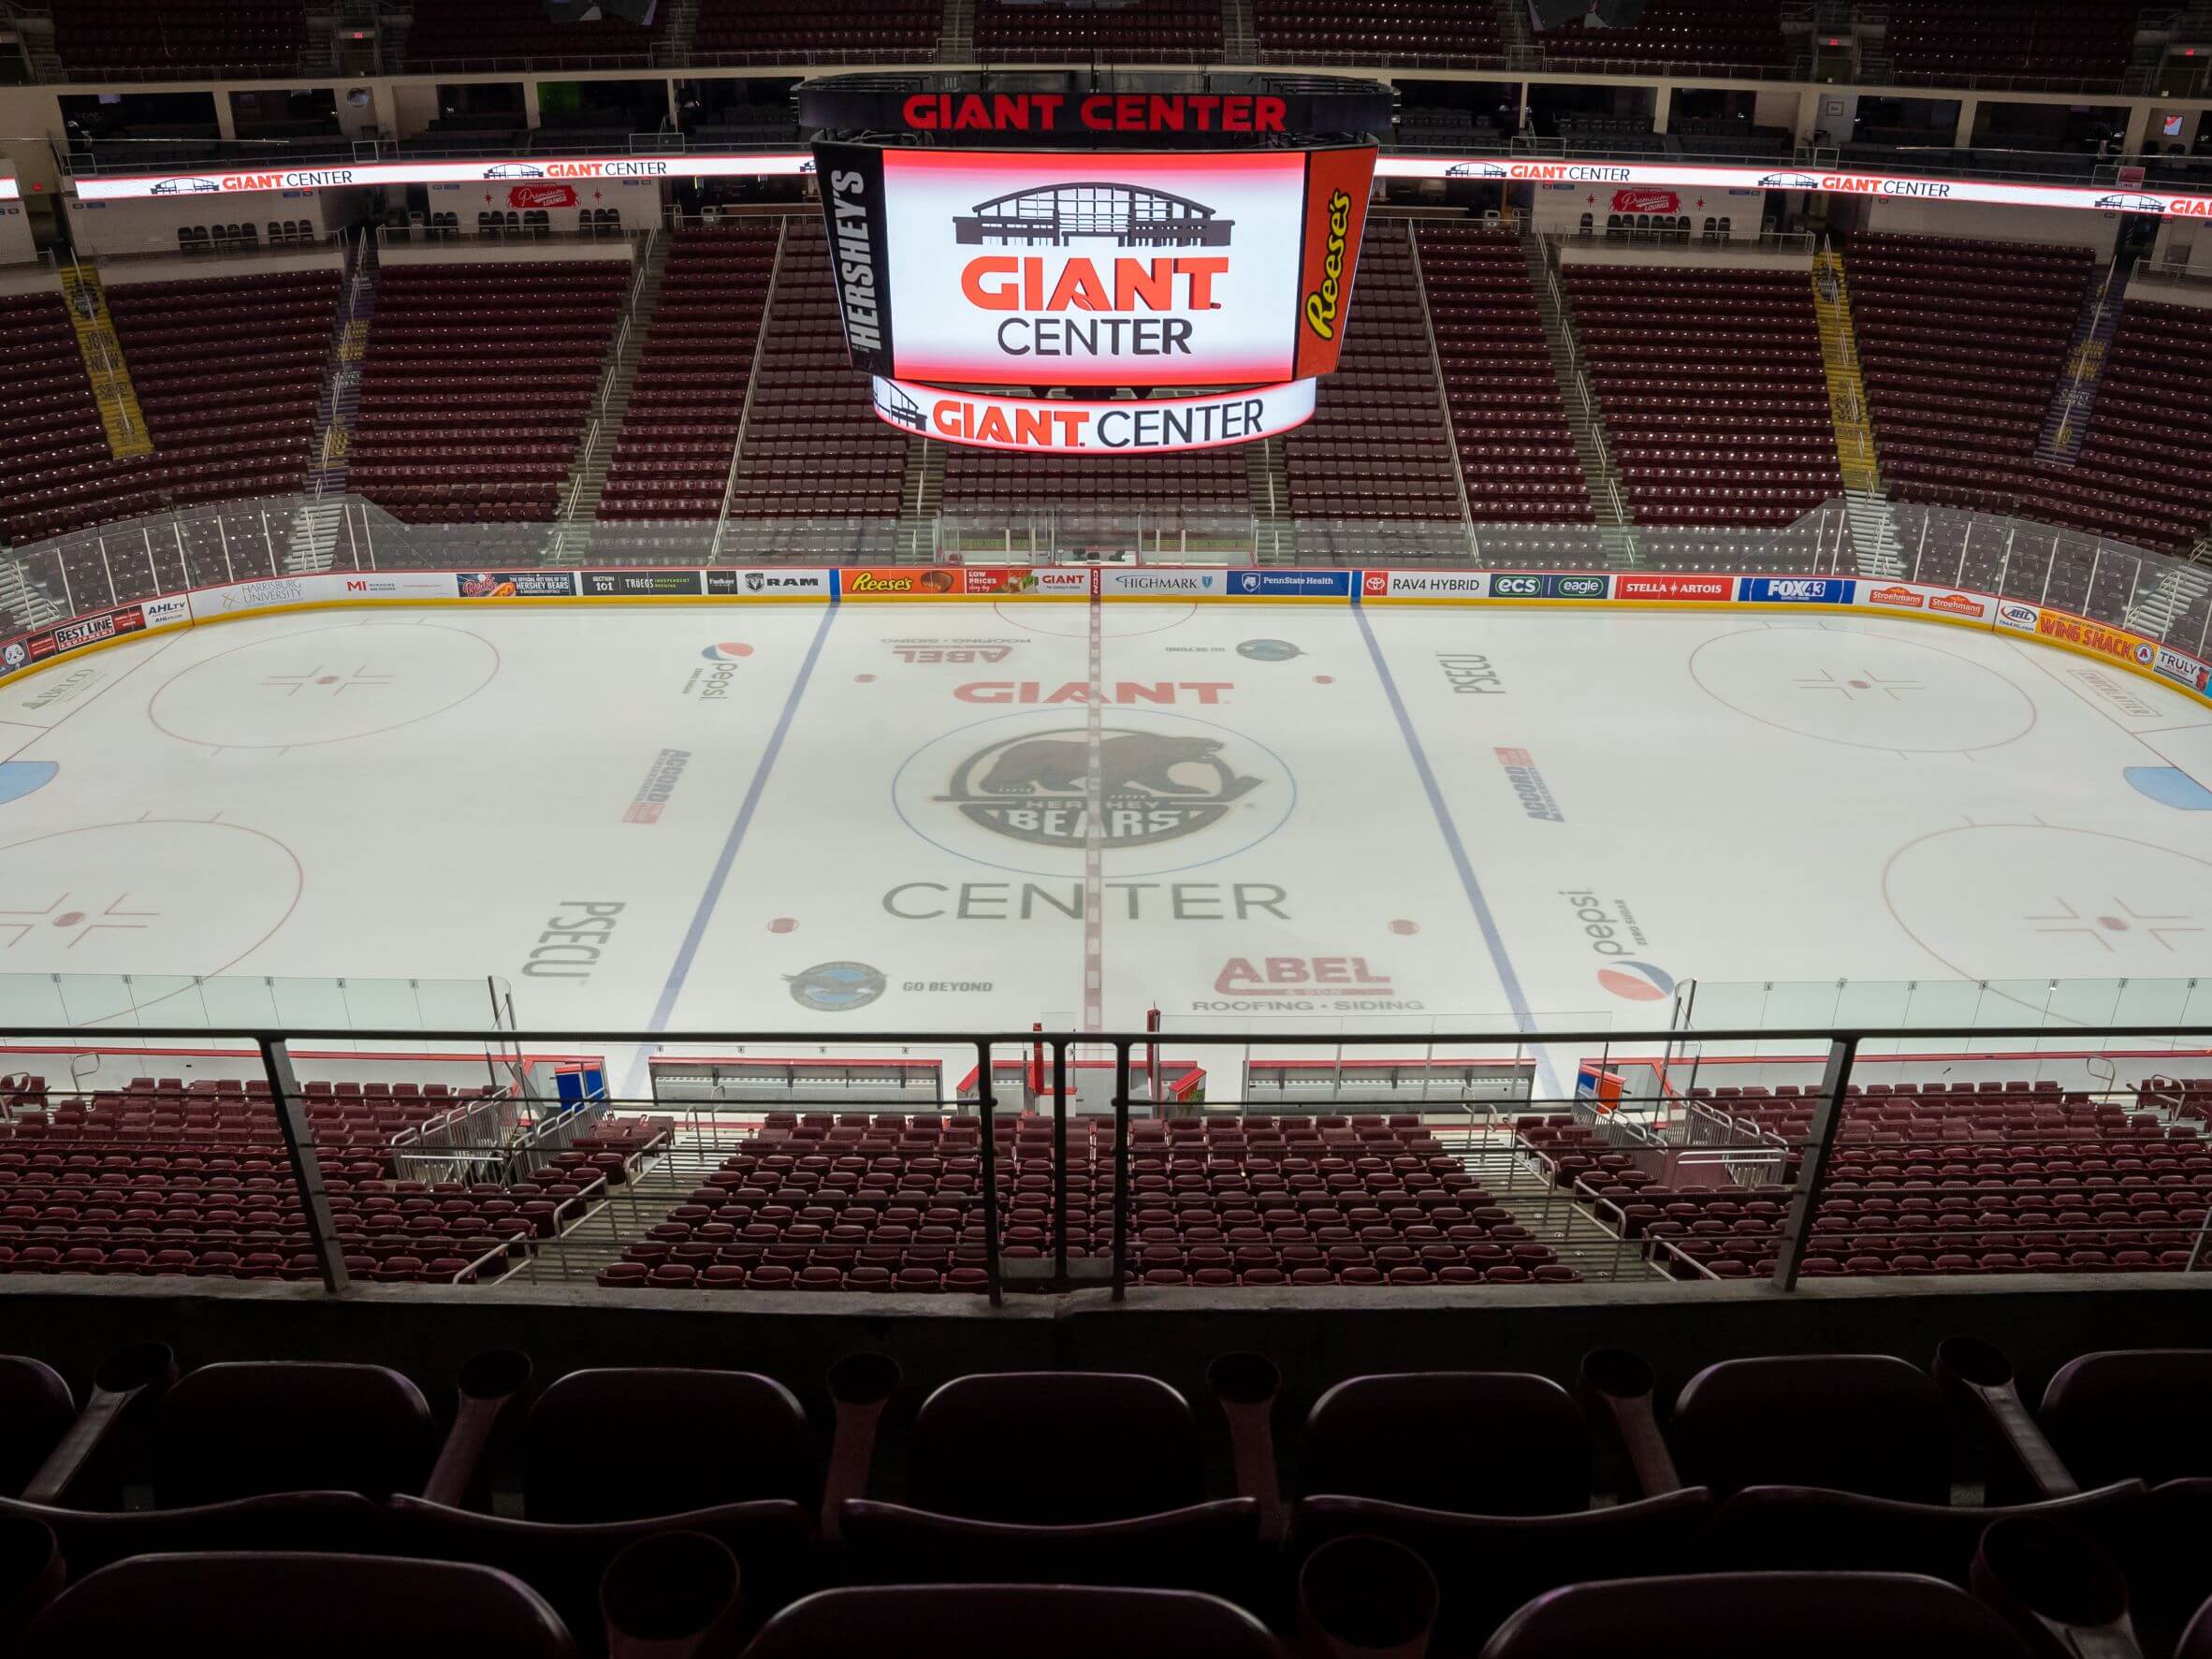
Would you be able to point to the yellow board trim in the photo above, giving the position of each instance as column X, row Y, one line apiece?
column 1985, row 625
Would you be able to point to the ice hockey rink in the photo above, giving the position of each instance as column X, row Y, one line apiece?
column 871, row 817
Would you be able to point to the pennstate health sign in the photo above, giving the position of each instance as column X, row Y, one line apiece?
column 1060, row 268
column 1061, row 426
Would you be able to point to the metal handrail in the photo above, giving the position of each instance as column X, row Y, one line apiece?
column 2078, row 387
column 753, row 381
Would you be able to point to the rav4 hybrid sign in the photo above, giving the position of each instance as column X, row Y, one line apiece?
column 1052, row 268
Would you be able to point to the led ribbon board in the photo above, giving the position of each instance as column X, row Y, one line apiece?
column 1091, row 269
column 2107, row 198
column 366, row 174
column 1058, row 426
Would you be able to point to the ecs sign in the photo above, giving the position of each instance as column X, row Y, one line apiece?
column 1043, row 268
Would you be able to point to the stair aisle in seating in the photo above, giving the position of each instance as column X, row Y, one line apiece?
column 588, row 474
column 2145, row 443
column 56, row 472
column 478, row 384
column 1711, row 382
column 1379, row 447
column 1847, row 388
column 1962, row 343
column 680, row 424
column 2059, row 442
column 812, row 448
column 120, row 418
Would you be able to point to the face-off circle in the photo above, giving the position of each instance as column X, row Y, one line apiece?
column 160, row 896
column 2030, row 901
column 1011, row 792
column 1869, row 690
column 322, row 685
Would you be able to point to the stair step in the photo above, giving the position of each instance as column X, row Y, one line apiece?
column 105, row 368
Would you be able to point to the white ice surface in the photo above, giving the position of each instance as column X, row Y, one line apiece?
column 423, row 794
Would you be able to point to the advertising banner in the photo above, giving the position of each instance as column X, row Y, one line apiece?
column 401, row 584
column 1056, row 426
column 2097, row 638
column 1930, row 600
column 30, row 650
column 1675, row 590
column 1337, row 185
column 1081, row 267
column 515, row 584
column 973, row 581
column 1515, row 584
column 2182, row 668
column 1381, row 585
column 1162, row 584
column 853, row 213
column 2012, row 614
column 1290, row 584
column 642, row 584
column 902, row 582
column 1795, row 590
column 276, row 592
column 770, row 583
column 1021, row 582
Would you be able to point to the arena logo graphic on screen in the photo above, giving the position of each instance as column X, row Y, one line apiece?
column 1183, row 262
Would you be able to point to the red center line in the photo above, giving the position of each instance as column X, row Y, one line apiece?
column 1094, row 832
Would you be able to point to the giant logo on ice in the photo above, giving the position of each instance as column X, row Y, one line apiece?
column 1153, row 787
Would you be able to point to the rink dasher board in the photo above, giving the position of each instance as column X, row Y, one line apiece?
column 1582, row 591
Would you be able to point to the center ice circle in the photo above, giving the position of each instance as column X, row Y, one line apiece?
column 1012, row 791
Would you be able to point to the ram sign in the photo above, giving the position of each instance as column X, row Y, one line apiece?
column 1055, row 267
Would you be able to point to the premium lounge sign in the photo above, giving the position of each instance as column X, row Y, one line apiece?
column 1156, row 425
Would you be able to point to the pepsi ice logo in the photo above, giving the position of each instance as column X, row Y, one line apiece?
column 1639, row 981
column 728, row 650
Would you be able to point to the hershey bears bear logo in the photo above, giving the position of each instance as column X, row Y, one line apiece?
column 1152, row 786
